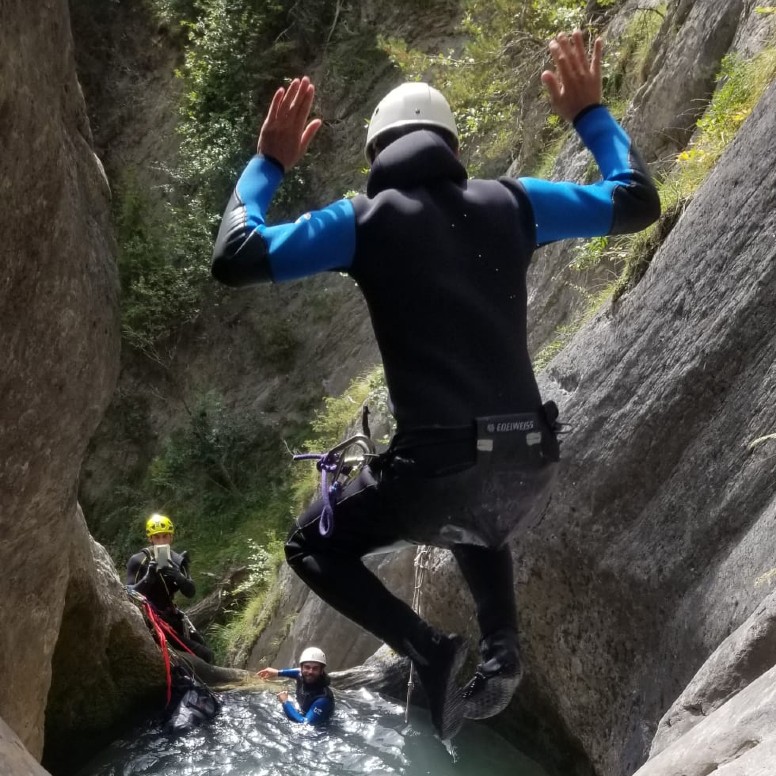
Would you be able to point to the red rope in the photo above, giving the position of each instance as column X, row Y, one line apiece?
column 163, row 631
column 171, row 632
column 155, row 622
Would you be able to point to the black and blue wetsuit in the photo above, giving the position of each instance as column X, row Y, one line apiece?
column 315, row 701
column 442, row 262
column 160, row 587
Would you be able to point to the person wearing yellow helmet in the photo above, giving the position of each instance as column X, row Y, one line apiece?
column 314, row 698
column 158, row 573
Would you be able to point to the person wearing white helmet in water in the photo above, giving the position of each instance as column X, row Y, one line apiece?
column 314, row 697
column 441, row 260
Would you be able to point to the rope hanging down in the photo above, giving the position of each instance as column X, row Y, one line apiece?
column 421, row 567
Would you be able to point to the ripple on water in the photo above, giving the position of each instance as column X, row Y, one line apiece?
column 251, row 737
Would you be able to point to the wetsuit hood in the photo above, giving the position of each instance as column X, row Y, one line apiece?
column 416, row 159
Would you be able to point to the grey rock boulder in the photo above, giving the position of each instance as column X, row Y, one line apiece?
column 75, row 656
column 744, row 656
column 738, row 739
column 15, row 760
column 662, row 517
column 60, row 344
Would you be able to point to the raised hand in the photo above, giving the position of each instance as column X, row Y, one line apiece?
column 576, row 84
column 286, row 132
column 268, row 673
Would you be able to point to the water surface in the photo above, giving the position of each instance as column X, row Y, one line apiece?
column 368, row 735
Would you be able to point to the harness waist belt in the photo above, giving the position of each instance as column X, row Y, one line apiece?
column 526, row 438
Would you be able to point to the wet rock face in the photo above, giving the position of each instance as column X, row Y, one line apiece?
column 59, row 351
column 662, row 517
column 694, row 38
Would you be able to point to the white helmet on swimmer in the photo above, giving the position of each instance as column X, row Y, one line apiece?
column 312, row 655
column 411, row 105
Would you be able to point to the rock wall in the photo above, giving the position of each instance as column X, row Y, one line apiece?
column 59, row 356
column 14, row 757
column 743, row 660
column 662, row 519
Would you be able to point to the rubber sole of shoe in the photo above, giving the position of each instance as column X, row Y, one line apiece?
column 491, row 697
column 453, row 707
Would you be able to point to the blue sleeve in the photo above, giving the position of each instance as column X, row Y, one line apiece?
column 248, row 251
column 626, row 200
column 320, row 712
column 291, row 673
column 291, row 712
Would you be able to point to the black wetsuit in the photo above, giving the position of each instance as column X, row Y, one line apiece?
column 442, row 262
column 159, row 587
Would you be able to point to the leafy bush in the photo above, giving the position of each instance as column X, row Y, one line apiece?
column 627, row 58
column 235, row 52
column 245, row 624
column 161, row 284
column 740, row 83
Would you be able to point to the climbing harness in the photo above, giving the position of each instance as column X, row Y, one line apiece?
column 339, row 466
column 421, row 567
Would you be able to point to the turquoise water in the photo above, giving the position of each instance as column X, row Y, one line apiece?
column 251, row 737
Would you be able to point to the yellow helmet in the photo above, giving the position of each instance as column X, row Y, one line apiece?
column 159, row 524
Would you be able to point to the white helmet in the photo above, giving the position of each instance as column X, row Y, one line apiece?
column 312, row 655
column 411, row 104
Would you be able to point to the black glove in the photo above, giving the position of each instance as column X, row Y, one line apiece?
column 173, row 572
column 152, row 570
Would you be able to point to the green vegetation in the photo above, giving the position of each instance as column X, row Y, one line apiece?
column 740, row 84
column 334, row 422
column 505, row 46
column 624, row 69
column 227, row 474
column 627, row 60
column 224, row 479
column 245, row 623
column 489, row 78
column 565, row 333
column 223, row 475
column 235, row 53
column 162, row 267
